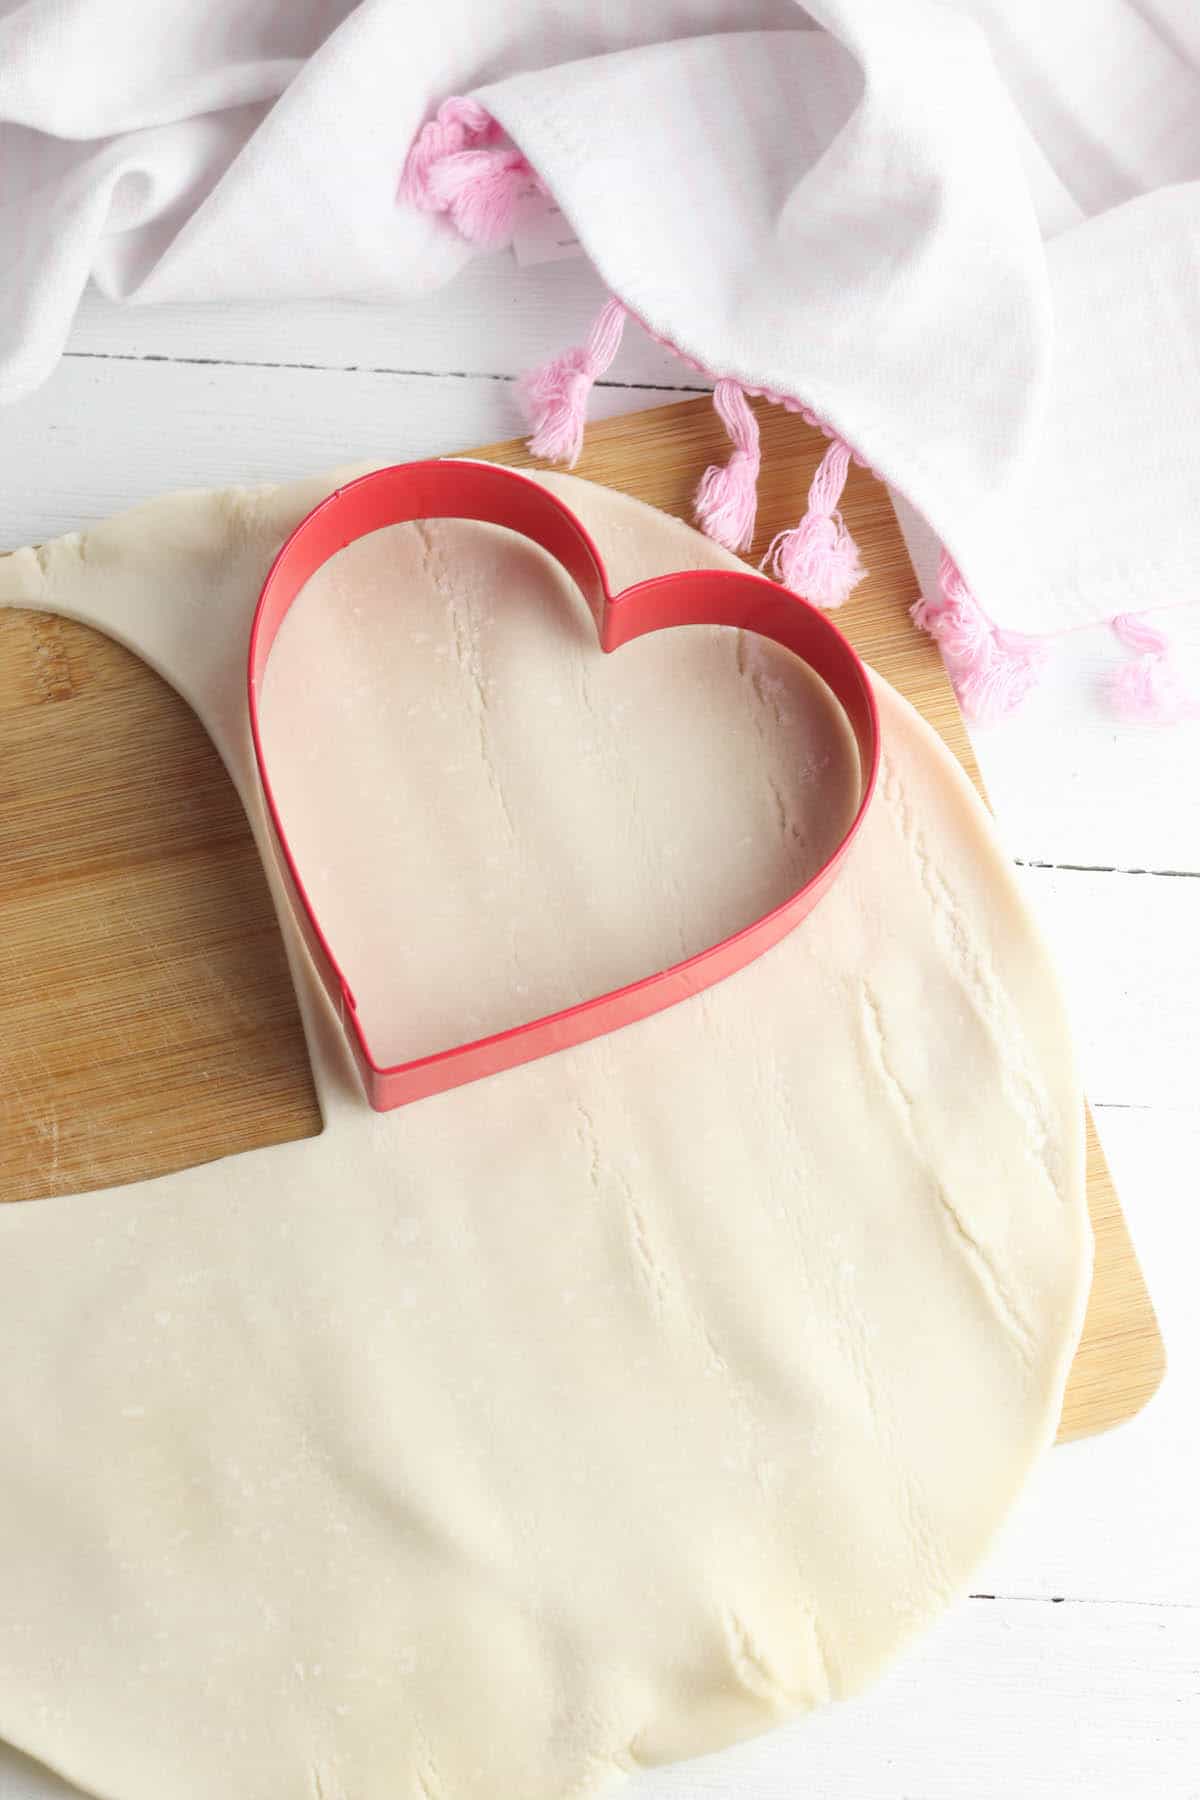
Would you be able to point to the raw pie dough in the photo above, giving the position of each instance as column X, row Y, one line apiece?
column 605, row 1411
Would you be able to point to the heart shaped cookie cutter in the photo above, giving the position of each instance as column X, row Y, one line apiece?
column 449, row 489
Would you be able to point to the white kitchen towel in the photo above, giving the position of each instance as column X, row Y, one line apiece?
column 966, row 237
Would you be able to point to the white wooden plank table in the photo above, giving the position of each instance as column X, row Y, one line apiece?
column 1075, row 1670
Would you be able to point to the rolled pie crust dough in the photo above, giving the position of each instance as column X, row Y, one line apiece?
column 611, row 1409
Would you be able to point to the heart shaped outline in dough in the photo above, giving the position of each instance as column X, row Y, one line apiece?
column 457, row 489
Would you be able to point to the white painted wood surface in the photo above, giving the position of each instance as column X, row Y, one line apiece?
column 1080, row 1679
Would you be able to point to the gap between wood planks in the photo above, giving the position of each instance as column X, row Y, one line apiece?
column 1023, row 862
column 253, row 362
column 1085, row 1600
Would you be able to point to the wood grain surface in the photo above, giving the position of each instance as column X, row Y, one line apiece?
column 146, row 1017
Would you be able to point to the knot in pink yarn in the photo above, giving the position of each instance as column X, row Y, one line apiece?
column 818, row 559
column 992, row 670
column 555, row 396
column 1149, row 689
column 459, row 124
column 456, row 167
column 480, row 191
column 727, row 499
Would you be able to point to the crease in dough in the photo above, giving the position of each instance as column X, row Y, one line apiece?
column 977, row 1254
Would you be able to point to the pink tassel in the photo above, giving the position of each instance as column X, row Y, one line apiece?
column 992, row 670
column 819, row 559
column 727, row 498
column 459, row 124
column 955, row 618
column 1149, row 689
column 555, row 396
column 455, row 167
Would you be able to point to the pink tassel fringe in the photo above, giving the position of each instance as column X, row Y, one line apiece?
column 992, row 670
column 1148, row 690
column 819, row 559
column 456, row 167
column 727, row 497
column 461, row 166
column 555, row 396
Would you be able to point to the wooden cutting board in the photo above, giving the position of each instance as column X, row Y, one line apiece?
column 147, row 1019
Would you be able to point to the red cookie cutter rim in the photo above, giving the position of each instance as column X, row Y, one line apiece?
column 457, row 489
